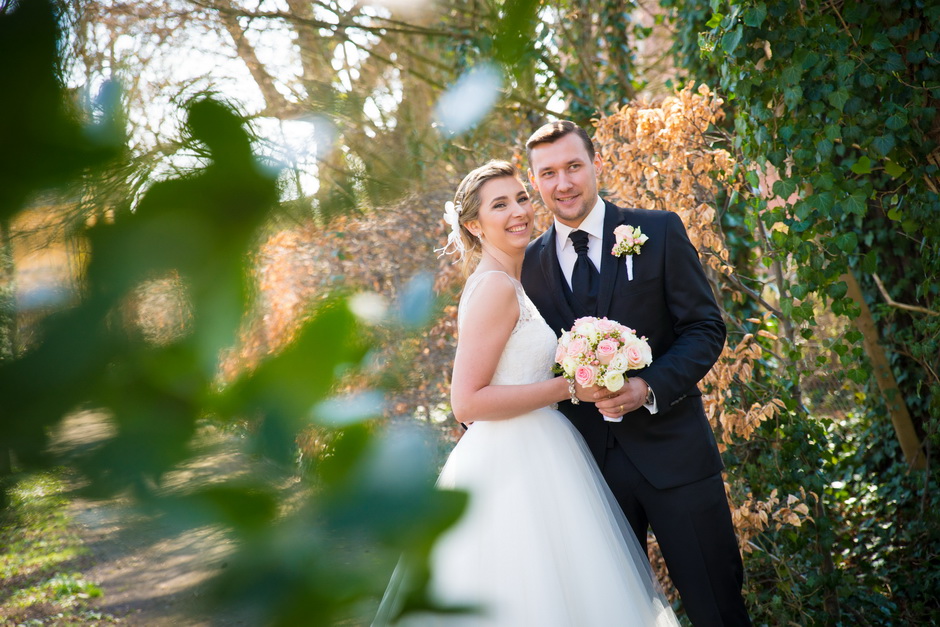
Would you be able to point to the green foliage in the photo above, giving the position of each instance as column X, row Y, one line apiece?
column 895, row 530
column 841, row 99
column 38, row 552
column 312, row 562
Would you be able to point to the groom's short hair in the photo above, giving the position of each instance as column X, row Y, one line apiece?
column 553, row 131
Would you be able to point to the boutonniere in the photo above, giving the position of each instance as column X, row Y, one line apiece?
column 629, row 240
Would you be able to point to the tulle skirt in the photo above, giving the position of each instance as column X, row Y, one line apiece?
column 543, row 542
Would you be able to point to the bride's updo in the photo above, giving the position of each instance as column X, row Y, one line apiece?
column 467, row 205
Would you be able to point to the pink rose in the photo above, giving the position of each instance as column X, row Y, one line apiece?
column 605, row 326
column 606, row 349
column 576, row 347
column 622, row 231
column 638, row 354
column 585, row 375
column 560, row 353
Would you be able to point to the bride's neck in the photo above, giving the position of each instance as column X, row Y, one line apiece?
column 500, row 260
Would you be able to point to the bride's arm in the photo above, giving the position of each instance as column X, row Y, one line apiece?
column 488, row 319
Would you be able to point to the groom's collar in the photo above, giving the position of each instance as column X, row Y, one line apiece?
column 593, row 224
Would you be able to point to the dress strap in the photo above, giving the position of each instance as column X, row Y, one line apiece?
column 474, row 281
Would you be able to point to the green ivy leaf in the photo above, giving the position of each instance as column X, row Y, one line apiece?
column 731, row 39
column 895, row 170
column 881, row 42
column 856, row 204
column 883, row 143
column 824, row 180
column 858, row 375
column 837, row 290
column 844, row 69
column 838, row 98
column 803, row 210
column 870, row 262
column 896, row 122
column 756, row 15
column 799, row 291
column 823, row 201
column 784, row 188
column 791, row 74
column 862, row 166
column 792, row 96
column 894, row 62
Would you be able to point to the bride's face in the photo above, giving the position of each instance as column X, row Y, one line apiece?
column 506, row 214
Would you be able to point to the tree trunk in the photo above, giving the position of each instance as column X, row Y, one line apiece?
column 7, row 319
column 900, row 418
column 7, row 294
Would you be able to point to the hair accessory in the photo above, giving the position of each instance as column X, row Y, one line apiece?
column 454, row 243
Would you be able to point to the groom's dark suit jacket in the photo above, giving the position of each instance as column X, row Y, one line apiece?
column 669, row 301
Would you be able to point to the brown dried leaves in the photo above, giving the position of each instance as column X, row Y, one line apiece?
column 660, row 157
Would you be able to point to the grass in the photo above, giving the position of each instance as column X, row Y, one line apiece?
column 41, row 558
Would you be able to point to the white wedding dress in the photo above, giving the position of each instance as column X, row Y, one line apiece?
column 543, row 542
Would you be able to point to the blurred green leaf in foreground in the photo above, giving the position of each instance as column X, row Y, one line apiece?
column 311, row 561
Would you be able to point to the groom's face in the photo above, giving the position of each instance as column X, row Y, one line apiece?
column 565, row 177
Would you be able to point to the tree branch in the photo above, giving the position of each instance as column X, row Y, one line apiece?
column 894, row 303
column 272, row 97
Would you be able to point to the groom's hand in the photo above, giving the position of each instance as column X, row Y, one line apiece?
column 629, row 398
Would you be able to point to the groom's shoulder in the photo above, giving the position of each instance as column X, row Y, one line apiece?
column 635, row 214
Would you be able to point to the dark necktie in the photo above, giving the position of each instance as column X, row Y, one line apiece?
column 584, row 277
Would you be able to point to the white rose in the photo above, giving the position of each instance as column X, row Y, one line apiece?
column 569, row 364
column 588, row 331
column 647, row 353
column 619, row 362
column 613, row 380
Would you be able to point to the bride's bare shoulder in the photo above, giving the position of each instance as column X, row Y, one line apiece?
column 490, row 295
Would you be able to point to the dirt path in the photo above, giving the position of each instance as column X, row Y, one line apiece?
column 150, row 572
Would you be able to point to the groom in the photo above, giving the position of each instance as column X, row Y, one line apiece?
column 661, row 462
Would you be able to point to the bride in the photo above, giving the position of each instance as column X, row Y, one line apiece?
column 543, row 542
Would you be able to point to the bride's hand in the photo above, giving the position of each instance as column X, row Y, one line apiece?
column 586, row 394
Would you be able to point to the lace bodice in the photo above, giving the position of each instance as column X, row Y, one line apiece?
column 530, row 352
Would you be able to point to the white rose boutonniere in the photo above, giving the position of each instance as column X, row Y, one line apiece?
column 629, row 240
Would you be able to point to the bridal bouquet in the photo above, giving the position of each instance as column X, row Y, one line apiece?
column 598, row 351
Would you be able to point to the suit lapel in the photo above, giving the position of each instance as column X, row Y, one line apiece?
column 548, row 257
column 610, row 265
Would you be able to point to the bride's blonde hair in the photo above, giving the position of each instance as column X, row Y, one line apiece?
column 468, row 199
